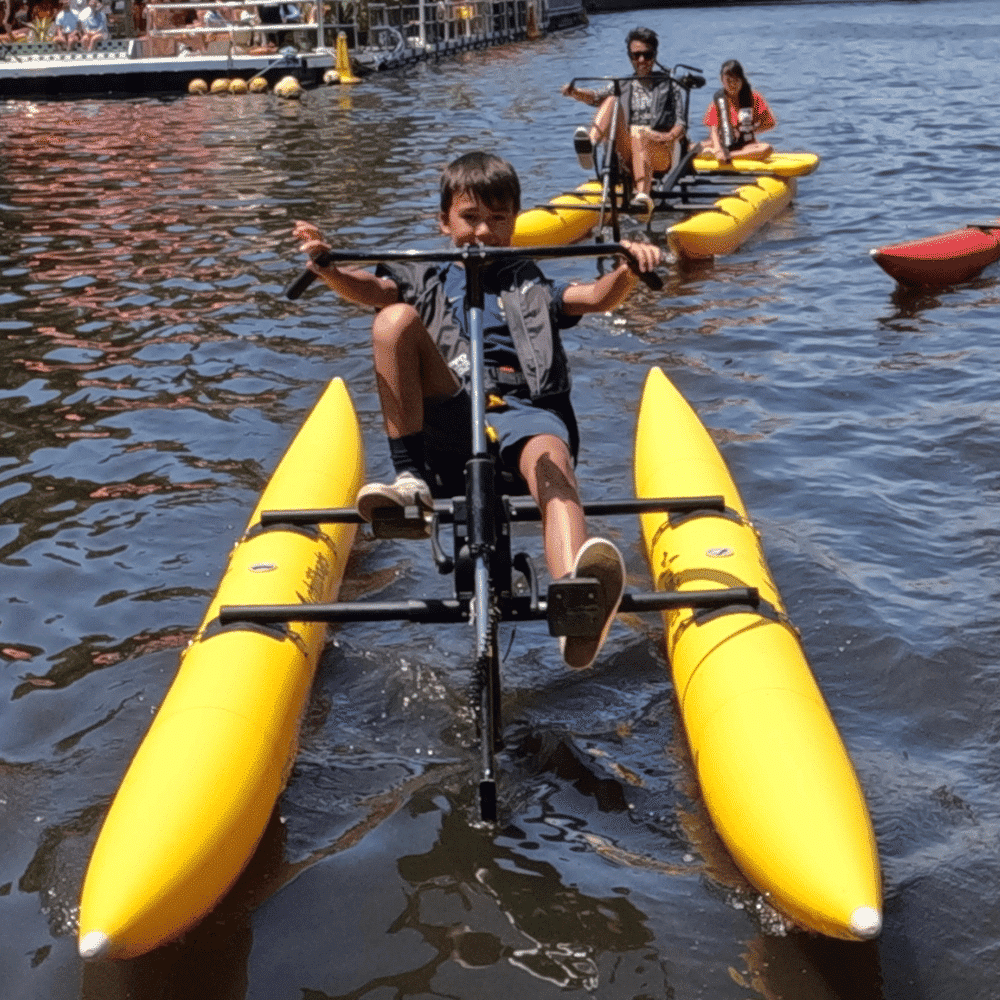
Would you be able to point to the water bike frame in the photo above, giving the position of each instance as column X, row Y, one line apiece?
column 615, row 182
column 481, row 561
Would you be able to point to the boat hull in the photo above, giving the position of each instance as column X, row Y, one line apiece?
column 202, row 786
column 732, row 220
column 777, row 165
column 774, row 773
column 940, row 260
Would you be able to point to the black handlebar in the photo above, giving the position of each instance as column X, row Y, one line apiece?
column 691, row 80
column 469, row 255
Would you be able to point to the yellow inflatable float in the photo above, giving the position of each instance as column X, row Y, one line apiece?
column 774, row 773
column 732, row 220
column 201, row 789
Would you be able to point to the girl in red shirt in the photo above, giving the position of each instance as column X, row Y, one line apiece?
column 747, row 114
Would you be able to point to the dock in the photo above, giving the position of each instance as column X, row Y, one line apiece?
column 173, row 47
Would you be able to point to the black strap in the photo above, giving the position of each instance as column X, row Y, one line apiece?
column 273, row 630
column 504, row 377
column 764, row 611
column 727, row 513
column 310, row 531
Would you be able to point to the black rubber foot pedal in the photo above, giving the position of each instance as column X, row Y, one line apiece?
column 402, row 522
column 575, row 608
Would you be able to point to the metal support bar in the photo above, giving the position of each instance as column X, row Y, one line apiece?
column 444, row 611
column 456, row 611
column 520, row 509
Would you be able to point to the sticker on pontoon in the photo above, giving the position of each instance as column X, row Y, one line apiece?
column 720, row 553
column 263, row 567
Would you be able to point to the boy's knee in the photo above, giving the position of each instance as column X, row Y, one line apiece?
column 393, row 322
column 546, row 450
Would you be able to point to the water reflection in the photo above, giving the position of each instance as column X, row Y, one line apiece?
column 466, row 906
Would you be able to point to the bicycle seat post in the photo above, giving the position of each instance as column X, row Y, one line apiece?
column 480, row 485
column 480, row 478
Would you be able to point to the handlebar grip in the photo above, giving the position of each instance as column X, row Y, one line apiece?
column 300, row 284
column 306, row 278
column 650, row 279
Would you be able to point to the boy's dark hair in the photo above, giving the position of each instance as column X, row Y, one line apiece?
column 645, row 35
column 492, row 180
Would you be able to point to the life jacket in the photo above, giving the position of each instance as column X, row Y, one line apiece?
column 663, row 112
column 526, row 305
column 732, row 138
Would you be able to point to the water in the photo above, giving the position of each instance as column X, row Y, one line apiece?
column 152, row 374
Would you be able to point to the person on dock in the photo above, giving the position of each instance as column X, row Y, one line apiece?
column 16, row 22
column 735, row 116
column 420, row 343
column 94, row 25
column 647, row 127
column 66, row 30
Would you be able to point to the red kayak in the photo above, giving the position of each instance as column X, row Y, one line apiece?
column 942, row 260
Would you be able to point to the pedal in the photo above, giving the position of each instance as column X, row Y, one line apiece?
column 402, row 522
column 575, row 608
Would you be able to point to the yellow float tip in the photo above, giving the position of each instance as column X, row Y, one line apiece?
column 94, row 944
column 866, row 922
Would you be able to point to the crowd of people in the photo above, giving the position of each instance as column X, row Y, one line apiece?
column 81, row 24
column 644, row 117
column 67, row 23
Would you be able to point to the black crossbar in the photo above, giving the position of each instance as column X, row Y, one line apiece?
column 455, row 610
column 520, row 509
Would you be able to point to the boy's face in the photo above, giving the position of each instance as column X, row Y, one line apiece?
column 470, row 220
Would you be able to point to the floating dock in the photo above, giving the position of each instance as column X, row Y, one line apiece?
column 167, row 52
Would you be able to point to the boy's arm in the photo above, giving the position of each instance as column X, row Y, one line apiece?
column 355, row 285
column 610, row 291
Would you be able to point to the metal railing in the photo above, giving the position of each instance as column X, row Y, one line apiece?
column 245, row 24
column 368, row 24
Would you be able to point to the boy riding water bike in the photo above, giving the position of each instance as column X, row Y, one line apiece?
column 420, row 346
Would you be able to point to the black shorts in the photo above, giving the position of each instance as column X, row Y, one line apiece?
column 448, row 432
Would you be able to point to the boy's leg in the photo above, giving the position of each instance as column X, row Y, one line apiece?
column 547, row 468
column 408, row 368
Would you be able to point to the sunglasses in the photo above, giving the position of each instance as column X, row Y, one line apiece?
column 647, row 54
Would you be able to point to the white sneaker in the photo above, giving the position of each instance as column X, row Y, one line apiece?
column 584, row 148
column 641, row 207
column 409, row 490
column 600, row 559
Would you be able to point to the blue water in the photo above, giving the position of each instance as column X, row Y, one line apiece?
column 151, row 375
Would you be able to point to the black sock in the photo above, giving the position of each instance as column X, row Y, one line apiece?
column 408, row 454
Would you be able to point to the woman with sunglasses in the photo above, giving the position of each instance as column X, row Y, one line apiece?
column 735, row 116
column 647, row 122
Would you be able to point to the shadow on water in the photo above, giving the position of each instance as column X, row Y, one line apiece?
column 910, row 301
column 806, row 967
column 463, row 905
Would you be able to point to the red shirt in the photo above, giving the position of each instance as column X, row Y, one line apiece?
column 761, row 114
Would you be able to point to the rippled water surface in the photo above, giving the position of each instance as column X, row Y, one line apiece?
column 151, row 374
